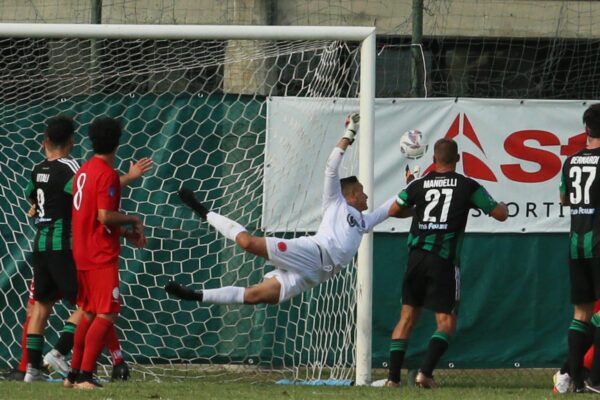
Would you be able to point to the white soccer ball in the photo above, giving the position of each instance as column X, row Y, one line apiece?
column 410, row 144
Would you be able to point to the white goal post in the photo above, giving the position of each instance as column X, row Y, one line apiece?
column 366, row 36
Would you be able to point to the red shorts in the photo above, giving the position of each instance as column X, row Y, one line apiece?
column 98, row 290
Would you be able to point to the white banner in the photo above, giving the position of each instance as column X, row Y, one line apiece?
column 514, row 148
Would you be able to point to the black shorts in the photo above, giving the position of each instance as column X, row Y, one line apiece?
column 431, row 282
column 55, row 276
column 585, row 280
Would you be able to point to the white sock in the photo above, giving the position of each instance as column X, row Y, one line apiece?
column 224, row 295
column 227, row 227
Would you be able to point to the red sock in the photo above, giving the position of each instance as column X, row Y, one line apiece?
column 79, row 342
column 114, row 347
column 589, row 358
column 24, row 359
column 94, row 343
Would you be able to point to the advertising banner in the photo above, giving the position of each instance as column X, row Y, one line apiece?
column 514, row 148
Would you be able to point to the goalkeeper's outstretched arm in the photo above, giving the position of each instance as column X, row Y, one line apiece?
column 332, row 189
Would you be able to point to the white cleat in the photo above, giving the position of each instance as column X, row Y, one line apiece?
column 57, row 362
column 34, row 375
column 385, row 383
column 562, row 382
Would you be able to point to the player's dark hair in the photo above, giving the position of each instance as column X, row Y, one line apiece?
column 591, row 119
column 347, row 183
column 446, row 151
column 59, row 130
column 104, row 134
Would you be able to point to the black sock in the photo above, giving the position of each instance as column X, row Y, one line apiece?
column 579, row 342
column 72, row 376
column 85, row 376
column 35, row 345
column 65, row 341
column 565, row 369
column 397, row 351
column 437, row 346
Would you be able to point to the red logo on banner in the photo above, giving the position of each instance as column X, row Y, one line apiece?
column 472, row 165
column 281, row 246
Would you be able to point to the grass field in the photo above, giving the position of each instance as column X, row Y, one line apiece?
column 462, row 385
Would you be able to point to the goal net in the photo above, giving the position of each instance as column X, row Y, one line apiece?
column 199, row 108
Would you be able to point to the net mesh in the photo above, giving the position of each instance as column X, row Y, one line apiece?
column 198, row 109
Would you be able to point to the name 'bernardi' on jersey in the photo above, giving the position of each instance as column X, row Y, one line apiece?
column 585, row 160
column 436, row 183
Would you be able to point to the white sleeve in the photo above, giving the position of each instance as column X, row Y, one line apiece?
column 379, row 215
column 332, row 190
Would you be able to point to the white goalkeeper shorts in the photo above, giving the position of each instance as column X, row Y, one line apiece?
column 298, row 263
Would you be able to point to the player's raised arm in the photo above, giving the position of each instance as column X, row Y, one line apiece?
column 136, row 170
column 332, row 189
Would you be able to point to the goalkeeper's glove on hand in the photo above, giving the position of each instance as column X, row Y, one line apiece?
column 351, row 126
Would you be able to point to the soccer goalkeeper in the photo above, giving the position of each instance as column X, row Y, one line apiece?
column 300, row 263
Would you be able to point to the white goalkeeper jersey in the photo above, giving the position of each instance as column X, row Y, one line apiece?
column 342, row 226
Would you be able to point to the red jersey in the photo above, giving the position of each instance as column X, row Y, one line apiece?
column 96, row 187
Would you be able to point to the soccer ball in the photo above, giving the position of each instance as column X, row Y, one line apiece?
column 410, row 144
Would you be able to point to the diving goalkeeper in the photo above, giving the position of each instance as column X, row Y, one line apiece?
column 301, row 263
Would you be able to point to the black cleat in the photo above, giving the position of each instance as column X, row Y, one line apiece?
column 120, row 372
column 187, row 196
column 183, row 292
column 14, row 375
column 591, row 388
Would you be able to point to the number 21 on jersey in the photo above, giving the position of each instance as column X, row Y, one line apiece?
column 433, row 197
column 78, row 195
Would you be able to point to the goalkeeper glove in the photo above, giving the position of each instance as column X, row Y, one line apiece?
column 351, row 126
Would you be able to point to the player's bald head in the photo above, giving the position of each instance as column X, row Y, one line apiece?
column 445, row 152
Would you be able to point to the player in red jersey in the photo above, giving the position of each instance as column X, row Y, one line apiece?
column 97, row 227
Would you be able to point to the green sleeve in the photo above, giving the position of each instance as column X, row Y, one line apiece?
column 29, row 189
column 562, row 187
column 403, row 199
column 596, row 320
column 482, row 199
column 69, row 186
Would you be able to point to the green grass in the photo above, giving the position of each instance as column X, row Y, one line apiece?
column 460, row 384
column 197, row 389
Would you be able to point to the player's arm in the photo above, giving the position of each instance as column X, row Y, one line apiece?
column 482, row 199
column 564, row 199
column 107, row 201
column 398, row 211
column 379, row 215
column 30, row 195
column 402, row 207
column 332, row 189
column 136, row 170
column 115, row 219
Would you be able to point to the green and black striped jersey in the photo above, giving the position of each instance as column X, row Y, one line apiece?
column 50, row 190
column 442, row 201
column 580, row 182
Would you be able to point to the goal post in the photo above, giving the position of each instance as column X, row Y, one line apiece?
column 147, row 73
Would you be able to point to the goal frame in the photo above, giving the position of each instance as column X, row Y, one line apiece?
column 366, row 36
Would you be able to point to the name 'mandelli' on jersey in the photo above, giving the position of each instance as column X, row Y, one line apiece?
column 437, row 183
